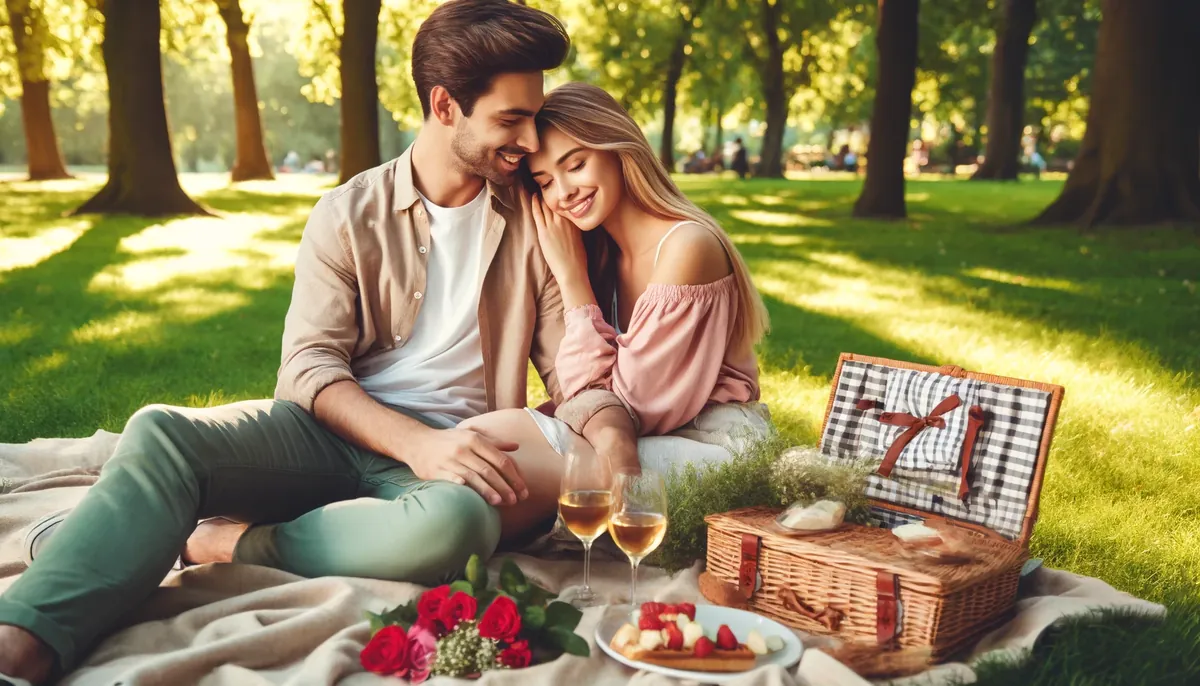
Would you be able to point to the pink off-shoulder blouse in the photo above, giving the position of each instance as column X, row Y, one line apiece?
column 674, row 360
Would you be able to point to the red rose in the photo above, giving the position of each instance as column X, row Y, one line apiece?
column 501, row 621
column 387, row 652
column 516, row 655
column 429, row 605
column 457, row 607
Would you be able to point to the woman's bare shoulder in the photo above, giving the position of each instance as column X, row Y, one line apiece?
column 692, row 255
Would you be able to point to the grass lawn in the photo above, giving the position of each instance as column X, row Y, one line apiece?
column 99, row 316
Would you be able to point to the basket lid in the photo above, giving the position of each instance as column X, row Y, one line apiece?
column 978, row 459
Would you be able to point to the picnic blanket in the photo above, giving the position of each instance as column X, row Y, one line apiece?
column 247, row 625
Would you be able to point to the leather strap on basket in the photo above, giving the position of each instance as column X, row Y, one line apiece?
column 748, row 569
column 829, row 618
column 915, row 426
column 975, row 419
column 887, row 608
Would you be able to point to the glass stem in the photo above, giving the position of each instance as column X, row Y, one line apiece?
column 587, row 567
column 633, row 582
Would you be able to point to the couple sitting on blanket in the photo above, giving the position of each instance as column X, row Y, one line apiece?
column 518, row 226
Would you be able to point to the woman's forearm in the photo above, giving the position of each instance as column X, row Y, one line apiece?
column 611, row 432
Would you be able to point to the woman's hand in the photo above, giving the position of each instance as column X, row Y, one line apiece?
column 562, row 245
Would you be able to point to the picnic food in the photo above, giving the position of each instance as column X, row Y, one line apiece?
column 819, row 516
column 917, row 534
column 669, row 636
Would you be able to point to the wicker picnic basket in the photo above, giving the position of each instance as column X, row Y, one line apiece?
column 859, row 582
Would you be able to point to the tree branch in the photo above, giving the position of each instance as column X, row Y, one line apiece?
column 324, row 10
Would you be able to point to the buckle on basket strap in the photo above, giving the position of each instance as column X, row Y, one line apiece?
column 749, row 580
column 889, row 612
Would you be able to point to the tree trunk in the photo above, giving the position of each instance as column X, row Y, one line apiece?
column 360, row 92
column 666, row 151
column 775, row 94
column 250, row 159
column 896, row 42
column 1006, row 101
column 41, row 144
column 1140, row 158
column 141, row 169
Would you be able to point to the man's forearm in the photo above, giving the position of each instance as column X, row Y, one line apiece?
column 345, row 409
column 612, row 434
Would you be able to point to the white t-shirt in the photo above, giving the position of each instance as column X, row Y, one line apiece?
column 439, row 371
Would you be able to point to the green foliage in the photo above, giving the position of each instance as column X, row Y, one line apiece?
column 695, row 491
column 802, row 475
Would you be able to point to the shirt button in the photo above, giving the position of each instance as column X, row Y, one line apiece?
column 417, row 295
column 399, row 338
column 422, row 250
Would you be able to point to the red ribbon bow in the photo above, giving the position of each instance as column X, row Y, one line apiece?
column 915, row 426
column 975, row 419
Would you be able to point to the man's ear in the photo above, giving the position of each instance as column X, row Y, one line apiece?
column 442, row 106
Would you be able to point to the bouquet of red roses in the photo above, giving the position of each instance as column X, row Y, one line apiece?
column 466, row 628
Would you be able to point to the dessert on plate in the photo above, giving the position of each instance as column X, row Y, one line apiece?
column 669, row 636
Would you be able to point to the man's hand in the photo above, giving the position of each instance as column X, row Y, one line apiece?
column 461, row 456
column 468, row 458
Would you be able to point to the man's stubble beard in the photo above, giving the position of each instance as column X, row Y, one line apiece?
column 472, row 158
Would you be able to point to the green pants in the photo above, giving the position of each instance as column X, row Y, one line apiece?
column 265, row 462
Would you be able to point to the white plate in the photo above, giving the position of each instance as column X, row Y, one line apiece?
column 711, row 617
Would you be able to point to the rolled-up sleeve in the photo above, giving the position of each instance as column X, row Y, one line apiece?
column 321, row 327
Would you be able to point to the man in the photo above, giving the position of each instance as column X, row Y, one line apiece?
column 420, row 297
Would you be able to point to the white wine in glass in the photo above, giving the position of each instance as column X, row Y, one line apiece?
column 584, row 503
column 639, row 518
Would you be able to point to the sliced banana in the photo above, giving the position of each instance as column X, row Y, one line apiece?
column 756, row 643
column 650, row 639
column 626, row 635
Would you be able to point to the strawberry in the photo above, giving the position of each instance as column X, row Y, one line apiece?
column 653, row 609
column 649, row 622
column 725, row 638
column 703, row 647
column 674, row 637
column 687, row 609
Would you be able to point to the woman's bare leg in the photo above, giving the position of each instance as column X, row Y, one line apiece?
column 540, row 465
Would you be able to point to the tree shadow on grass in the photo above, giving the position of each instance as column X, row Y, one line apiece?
column 77, row 357
column 803, row 340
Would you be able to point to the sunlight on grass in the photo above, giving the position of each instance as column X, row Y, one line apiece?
column 16, row 252
column 197, row 247
column 126, row 324
column 46, row 363
column 16, row 332
column 1022, row 280
column 766, row 218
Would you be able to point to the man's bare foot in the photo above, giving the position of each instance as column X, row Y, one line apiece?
column 23, row 655
column 213, row 541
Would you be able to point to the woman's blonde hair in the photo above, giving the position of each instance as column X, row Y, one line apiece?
column 594, row 118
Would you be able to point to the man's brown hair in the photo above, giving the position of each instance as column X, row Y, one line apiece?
column 464, row 44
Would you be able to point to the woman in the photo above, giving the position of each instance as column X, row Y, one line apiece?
column 660, row 308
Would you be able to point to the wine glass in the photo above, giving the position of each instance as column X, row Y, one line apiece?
column 639, row 518
column 584, row 501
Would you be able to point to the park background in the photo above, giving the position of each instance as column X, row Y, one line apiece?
column 1076, row 265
